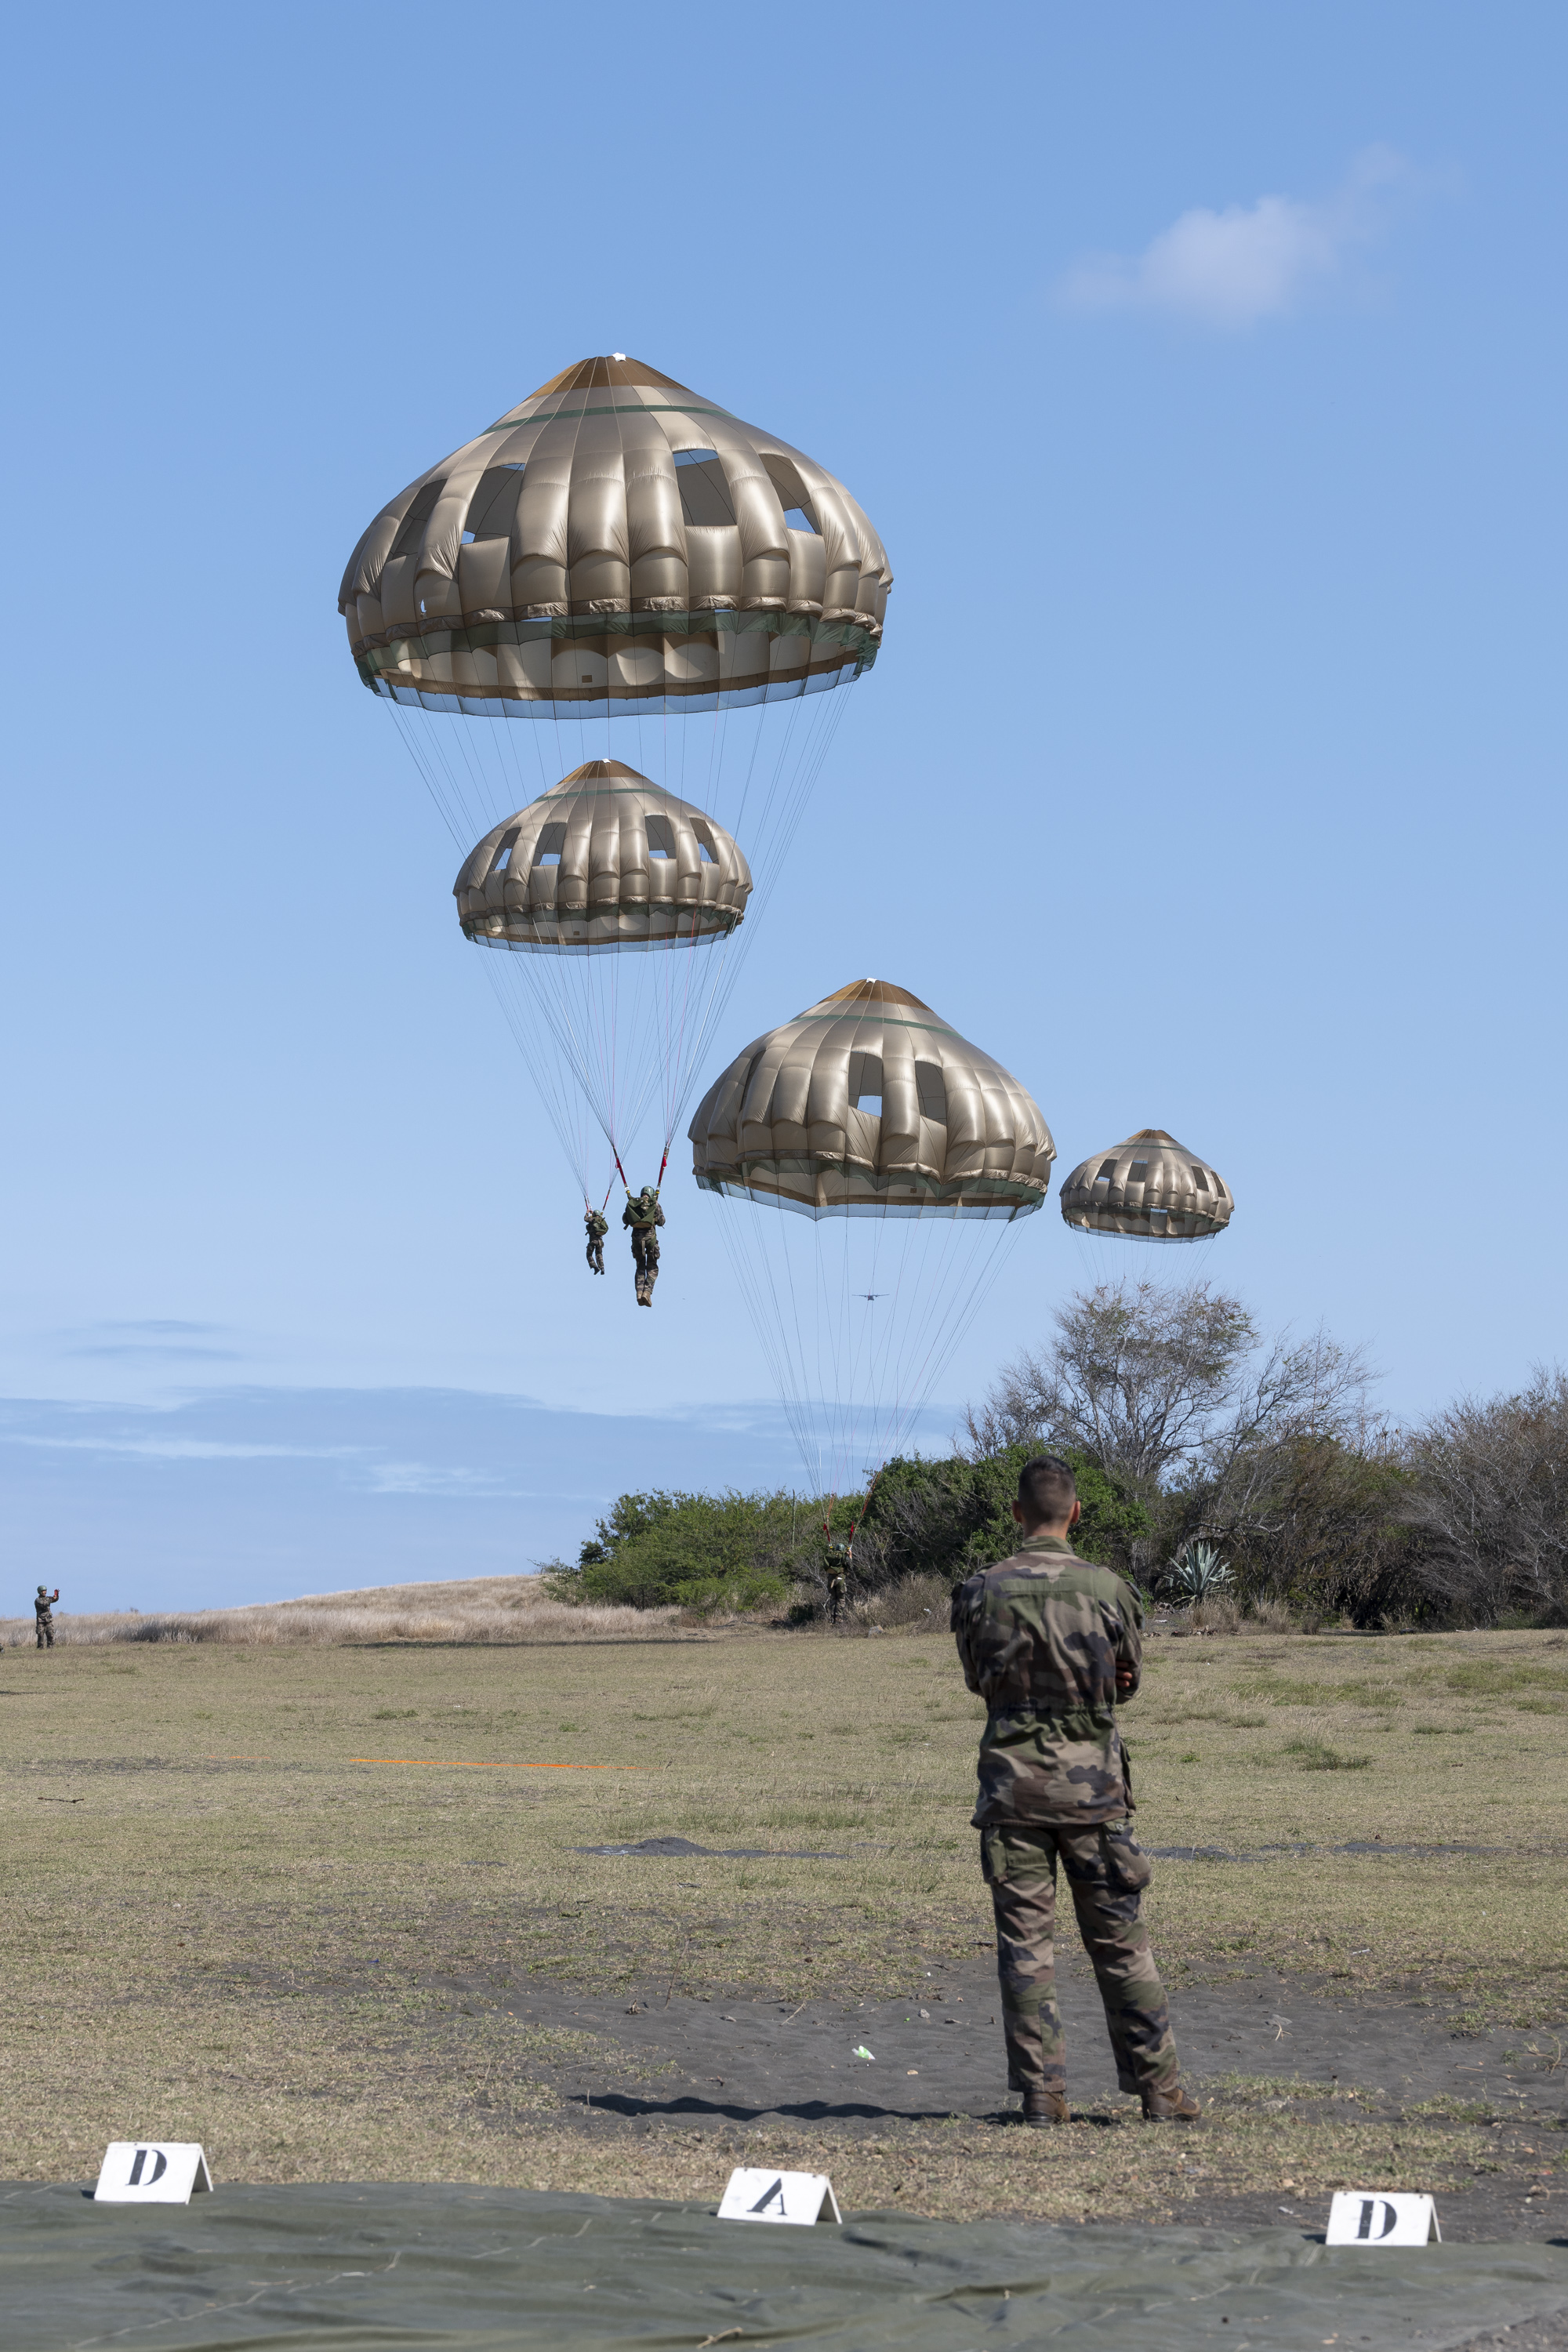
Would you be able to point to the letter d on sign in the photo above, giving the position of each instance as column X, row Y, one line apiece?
column 1359, row 2217
column 152, row 2172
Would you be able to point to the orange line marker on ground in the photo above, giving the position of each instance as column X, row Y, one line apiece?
column 449, row 1763
column 464, row 1764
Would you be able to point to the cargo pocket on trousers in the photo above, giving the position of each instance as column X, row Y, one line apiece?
column 1126, row 1866
column 992, row 1858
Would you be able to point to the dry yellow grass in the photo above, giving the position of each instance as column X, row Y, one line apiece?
column 220, row 1923
column 489, row 1610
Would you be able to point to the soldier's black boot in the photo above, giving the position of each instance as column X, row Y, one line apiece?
column 1172, row 2107
column 1043, row 2107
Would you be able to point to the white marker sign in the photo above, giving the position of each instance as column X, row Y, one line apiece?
column 152, row 2172
column 802, row 2197
column 1366, row 2217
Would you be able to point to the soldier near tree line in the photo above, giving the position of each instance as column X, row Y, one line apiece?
column 597, row 1226
column 43, row 1616
column 1050, row 1643
column 643, row 1214
column 840, row 1560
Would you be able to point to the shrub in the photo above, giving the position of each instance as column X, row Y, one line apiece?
column 699, row 1551
column 947, row 1518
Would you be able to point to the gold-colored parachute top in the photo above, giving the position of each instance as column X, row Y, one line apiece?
column 1151, row 1188
column 606, row 858
column 615, row 541
column 868, row 1104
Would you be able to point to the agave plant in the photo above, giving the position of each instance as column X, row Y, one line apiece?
column 1196, row 1572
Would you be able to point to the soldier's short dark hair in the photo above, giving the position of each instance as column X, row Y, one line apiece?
column 1047, row 1490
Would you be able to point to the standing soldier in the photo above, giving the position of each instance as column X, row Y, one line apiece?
column 598, row 1225
column 43, row 1617
column 644, row 1215
column 839, row 1560
column 1050, row 1643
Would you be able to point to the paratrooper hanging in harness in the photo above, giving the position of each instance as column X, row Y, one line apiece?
column 644, row 1217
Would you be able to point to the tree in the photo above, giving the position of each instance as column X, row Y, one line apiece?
column 1219, row 1432
column 1488, row 1505
column 1137, row 1376
column 949, row 1518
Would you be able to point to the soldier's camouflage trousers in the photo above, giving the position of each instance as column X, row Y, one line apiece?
column 645, row 1250
column 596, row 1251
column 46, row 1632
column 1107, row 1872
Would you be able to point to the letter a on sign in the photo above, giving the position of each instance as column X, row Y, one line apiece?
column 802, row 2197
column 152, row 2172
column 1370, row 2217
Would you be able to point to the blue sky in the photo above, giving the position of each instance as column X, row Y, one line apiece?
column 1202, row 373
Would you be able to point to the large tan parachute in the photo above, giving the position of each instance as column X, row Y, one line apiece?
column 1150, row 1188
column 616, row 540
column 908, row 1159
column 869, row 1105
column 606, row 858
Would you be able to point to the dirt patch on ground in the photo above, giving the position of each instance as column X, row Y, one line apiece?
column 1489, row 2110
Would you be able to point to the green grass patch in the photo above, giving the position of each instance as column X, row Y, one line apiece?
column 1315, row 1756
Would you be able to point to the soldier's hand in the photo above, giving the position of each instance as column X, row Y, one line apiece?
column 1126, row 1680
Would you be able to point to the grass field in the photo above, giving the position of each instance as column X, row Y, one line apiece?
column 242, row 1878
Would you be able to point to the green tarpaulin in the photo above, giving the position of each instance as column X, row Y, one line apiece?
column 412, row 2266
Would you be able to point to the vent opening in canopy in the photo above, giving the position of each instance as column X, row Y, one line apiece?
column 411, row 530
column 931, row 1089
column 866, row 1083
column 494, row 502
column 704, row 493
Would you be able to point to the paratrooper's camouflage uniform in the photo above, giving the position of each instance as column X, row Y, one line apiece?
column 43, row 1615
column 644, row 1215
column 597, row 1226
column 1040, row 1637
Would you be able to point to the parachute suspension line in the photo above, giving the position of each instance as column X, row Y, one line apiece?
column 853, row 1397
column 422, row 750
column 568, row 1113
column 775, row 1308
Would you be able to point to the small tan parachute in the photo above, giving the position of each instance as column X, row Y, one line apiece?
column 616, row 540
column 869, row 1105
column 1150, row 1189
column 606, row 858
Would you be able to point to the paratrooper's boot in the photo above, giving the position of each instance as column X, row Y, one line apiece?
column 1043, row 2107
column 1172, row 2107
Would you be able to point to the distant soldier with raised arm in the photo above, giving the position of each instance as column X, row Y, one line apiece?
column 1050, row 1643
column 43, row 1615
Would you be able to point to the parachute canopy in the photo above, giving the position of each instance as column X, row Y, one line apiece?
column 1151, row 1188
column 606, row 858
column 869, row 1105
column 616, row 540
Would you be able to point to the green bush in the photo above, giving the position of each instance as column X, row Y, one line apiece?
column 948, row 1518
column 698, row 1551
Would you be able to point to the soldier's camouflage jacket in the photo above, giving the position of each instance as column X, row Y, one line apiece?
column 1040, row 1637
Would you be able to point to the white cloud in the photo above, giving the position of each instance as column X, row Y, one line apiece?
column 1250, row 261
column 181, row 1449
